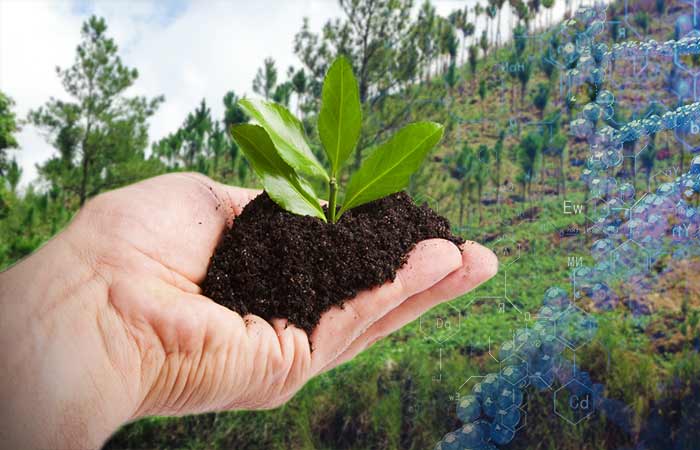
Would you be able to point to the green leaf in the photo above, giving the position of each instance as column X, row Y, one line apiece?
column 287, row 134
column 389, row 167
column 340, row 119
column 280, row 180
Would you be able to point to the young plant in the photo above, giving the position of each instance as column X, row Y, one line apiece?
column 277, row 149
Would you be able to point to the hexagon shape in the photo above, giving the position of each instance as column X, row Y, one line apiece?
column 523, row 417
column 507, row 250
column 508, row 418
column 601, row 248
column 440, row 325
column 640, row 209
column 572, row 42
column 543, row 371
column 555, row 298
column 583, row 278
column 629, row 258
column 556, row 56
column 595, row 209
column 489, row 391
column 510, row 397
column 575, row 327
column 468, row 408
column 684, row 87
column 545, row 128
column 679, row 54
column 618, row 211
column 688, row 135
column 628, row 19
column 603, row 298
column 574, row 402
column 666, row 175
column 480, row 336
column 517, row 286
column 603, row 186
column 492, row 305
column 501, row 435
column 514, row 371
column 526, row 343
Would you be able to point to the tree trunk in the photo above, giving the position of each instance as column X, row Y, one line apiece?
column 682, row 157
column 479, row 191
column 483, row 116
column 468, row 210
column 612, row 68
column 561, row 173
column 498, row 32
column 461, row 207
column 83, row 180
column 634, row 170
column 544, row 159
column 498, row 186
column 86, row 166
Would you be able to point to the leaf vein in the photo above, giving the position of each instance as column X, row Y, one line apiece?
column 390, row 169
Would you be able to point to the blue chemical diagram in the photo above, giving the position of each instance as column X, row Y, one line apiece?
column 629, row 230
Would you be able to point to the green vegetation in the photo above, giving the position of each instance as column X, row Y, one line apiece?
column 280, row 155
column 100, row 135
column 506, row 164
column 8, row 127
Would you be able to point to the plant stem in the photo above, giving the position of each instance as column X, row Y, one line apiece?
column 331, row 200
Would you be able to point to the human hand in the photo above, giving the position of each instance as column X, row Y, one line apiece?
column 106, row 323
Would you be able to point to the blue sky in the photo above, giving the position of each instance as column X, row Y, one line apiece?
column 185, row 50
column 165, row 11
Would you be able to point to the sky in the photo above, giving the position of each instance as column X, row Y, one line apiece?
column 185, row 50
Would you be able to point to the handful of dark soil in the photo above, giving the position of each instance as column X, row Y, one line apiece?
column 276, row 264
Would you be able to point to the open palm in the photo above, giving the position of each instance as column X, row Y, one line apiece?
column 180, row 352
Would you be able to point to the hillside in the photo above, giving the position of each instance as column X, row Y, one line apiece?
column 508, row 173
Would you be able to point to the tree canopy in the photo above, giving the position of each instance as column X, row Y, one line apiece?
column 8, row 127
column 100, row 134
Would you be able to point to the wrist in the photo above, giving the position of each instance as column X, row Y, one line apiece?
column 58, row 379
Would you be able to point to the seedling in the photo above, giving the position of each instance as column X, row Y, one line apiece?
column 277, row 149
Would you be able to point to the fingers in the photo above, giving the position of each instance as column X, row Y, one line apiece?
column 479, row 264
column 234, row 198
column 429, row 262
column 294, row 345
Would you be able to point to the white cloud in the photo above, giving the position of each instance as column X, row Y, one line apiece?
column 34, row 39
column 184, row 49
column 207, row 49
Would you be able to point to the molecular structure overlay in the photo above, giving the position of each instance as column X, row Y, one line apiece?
column 632, row 231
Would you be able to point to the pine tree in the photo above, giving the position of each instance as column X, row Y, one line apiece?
column 8, row 128
column 101, row 134
column 265, row 79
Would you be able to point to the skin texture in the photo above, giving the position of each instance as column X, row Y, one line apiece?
column 105, row 323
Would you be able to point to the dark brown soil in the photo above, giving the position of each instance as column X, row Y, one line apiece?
column 280, row 265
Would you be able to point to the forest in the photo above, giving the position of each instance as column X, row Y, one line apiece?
column 504, row 173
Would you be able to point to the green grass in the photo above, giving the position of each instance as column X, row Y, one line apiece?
column 396, row 395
